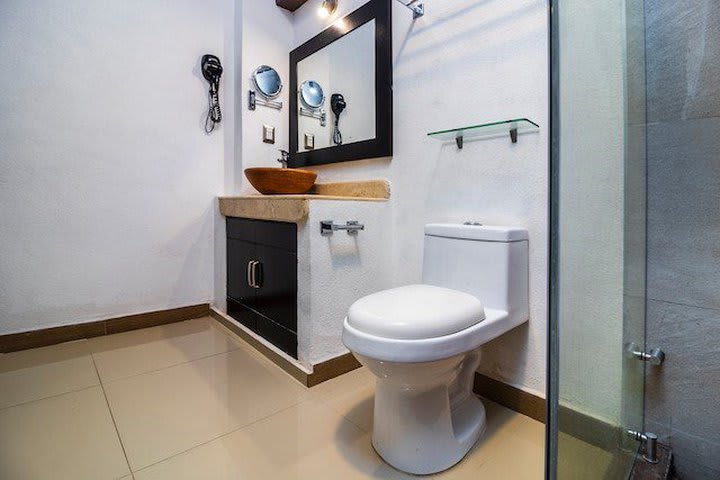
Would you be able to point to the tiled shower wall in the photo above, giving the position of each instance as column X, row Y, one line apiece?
column 683, row 147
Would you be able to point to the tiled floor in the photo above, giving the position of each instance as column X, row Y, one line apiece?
column 190, row 401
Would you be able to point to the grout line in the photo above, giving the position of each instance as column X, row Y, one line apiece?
column 55, row 395
column 235, row 347
column 659, row 300
column 230, row 432
column 112, row 417
column 337, row 412
column 204, row 357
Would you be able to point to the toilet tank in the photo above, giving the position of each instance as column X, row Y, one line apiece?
column 489, row 262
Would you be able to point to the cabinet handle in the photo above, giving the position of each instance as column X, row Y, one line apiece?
column 258, row 274
column 250, row 273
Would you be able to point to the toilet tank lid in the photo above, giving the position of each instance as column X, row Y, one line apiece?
column 490, row 233
column 415, row 312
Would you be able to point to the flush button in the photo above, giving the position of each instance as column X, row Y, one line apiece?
column 474, row 224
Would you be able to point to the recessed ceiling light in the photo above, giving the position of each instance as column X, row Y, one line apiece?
column 327, row 8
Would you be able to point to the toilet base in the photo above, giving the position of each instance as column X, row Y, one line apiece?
column 421, row 457
column 426, row 423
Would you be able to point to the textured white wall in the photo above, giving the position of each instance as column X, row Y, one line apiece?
column 342, row 268
column 466, row 62
column 107, row 180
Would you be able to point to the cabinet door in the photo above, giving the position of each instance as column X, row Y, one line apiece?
column 239, row 256
column 279, row 336
column 243, row 314
column 277, row 296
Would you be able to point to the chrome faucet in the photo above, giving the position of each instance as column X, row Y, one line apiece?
column 284, row 159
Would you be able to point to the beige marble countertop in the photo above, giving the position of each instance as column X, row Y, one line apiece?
column 295, row 208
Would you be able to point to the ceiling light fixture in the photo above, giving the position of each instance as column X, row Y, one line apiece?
column 327, row 8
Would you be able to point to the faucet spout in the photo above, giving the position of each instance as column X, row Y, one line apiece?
column 284, row 159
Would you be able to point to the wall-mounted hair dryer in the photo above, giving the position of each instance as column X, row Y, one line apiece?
column 212, row 71
column 337, row 104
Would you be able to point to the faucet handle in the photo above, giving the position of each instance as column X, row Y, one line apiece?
column 285, row 158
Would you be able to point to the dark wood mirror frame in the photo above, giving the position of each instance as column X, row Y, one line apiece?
column 382, row 144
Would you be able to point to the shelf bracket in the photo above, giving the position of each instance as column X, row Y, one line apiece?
column 513, row 135
column 459, row 141
column 418, row 9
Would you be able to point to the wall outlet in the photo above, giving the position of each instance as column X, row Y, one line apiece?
column 309, row 141
column 268, row 134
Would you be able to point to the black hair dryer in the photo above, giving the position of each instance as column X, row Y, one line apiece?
column 212, row 71
column 337, row 104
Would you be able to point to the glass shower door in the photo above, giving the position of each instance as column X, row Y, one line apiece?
column 598, row 255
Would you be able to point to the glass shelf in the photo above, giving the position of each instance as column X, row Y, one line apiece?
column 513, row 127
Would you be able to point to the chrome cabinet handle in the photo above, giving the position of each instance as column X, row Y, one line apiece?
column 249, row 273
column 257, row 283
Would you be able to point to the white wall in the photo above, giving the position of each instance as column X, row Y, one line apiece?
column 267, row 36
column 107, row 179
column 494, row 56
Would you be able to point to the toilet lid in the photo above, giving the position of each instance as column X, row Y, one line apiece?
column 415, row 311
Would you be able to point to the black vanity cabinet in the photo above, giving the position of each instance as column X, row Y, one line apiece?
column 262, row 279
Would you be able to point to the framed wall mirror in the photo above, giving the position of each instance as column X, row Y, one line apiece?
column 341, row 90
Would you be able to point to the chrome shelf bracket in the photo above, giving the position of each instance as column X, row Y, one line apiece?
column 418, row 9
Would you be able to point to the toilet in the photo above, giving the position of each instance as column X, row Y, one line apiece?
column 422, row 342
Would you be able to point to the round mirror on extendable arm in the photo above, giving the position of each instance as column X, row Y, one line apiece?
column 267, row 81
column 312, row 95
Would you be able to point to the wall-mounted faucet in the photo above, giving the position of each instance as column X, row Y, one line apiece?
column 284, row 159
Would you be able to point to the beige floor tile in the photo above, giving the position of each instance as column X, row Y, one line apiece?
column 578, row 459
column 162, row 413
column 131, row 353
column 351, row 395
column 509, row 422
column 304, row 442
column 43, row 372
column 69, row 436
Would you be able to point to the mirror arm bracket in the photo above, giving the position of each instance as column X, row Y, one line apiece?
column 322, row 116
column 253, row 101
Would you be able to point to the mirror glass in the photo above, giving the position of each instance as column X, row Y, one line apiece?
column 267, row 80
column 346, row 70
column 311, row 94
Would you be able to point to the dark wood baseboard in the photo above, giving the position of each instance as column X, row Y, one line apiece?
column 321, row 372
column 52, row 336
column 577, row 424
column 332, row 368
column 510, row 397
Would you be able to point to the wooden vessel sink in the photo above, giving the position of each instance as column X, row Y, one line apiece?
column 286, row 181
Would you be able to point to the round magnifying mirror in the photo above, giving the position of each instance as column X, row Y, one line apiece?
column 267, row 80
column 312, row 94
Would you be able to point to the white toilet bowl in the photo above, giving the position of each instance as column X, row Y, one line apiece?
column 422, row 342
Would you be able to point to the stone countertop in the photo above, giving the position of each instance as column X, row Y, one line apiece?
column 295, row 208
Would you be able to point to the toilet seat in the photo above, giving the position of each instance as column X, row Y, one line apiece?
column 496, row 323
column 415, row 312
